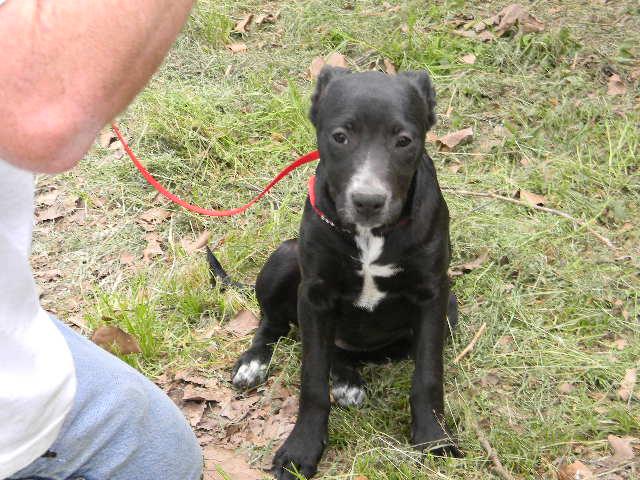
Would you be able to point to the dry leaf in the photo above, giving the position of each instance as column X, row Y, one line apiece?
column 48, row 198
column 616, row 86
column 336, row 59
column 243, row 323
column 106, row 137
column 469, row 59
column 628, row 384
column 233, row 465
column 432, row 137
column 201, row 241
column 237, row 47
column 193, row 411
column 267, row 18
column 476, row 262
column 213, row 393
column 484, row 36
column 154, row 215
column 621, row 448
column 115, row 340
column 127, row 258
column 51, row 213
column 153, row 247
column 316, row 65
column 531, row 198
column 236, row 410
column 620, row 343
column 566, row 388
column 576, row 471
column 361, row 477
column 389, row 67
column 516, row 15
column 241, row 26
column 453, row 139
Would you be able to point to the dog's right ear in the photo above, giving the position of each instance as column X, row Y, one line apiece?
column 327, row 74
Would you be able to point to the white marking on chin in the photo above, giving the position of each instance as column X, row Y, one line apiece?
column 348, row 396
column 253, row 373
column 371, row 248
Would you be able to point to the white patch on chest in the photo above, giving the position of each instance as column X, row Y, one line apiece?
column 370, row 248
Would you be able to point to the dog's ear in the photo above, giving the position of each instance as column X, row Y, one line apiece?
column 420, row 80
column 327, row 74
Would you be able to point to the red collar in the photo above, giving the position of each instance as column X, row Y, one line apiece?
column 311, row 188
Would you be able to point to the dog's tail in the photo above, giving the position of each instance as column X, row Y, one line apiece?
column 218, row 273
column 452, row 312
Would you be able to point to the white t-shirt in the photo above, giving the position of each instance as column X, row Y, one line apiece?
column 37, row 375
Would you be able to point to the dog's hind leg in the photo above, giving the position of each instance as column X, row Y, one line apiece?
column 347, row 387
column 277, row 292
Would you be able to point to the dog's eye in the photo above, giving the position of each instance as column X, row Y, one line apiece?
column 340, row 138
column 403, row 141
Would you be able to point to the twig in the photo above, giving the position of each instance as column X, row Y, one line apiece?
column 472, row 343
column 497, row 468
column 553, row 211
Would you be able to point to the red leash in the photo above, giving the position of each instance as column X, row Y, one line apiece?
column 309, row 157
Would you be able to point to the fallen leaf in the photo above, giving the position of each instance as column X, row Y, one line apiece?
column 267, row 18
column 432, row 137
column 484, row 36
column 531, row 198
column 236, row 410
column 127, row 258
column 576, row 471
column 201, row 241
column 454, row 167
column 316, row 66
column 193, row 411
column 241, row 26
column 243, row 323
column 616, row 86
column 566, row 388
column 476, row 262
column 361, row 477
column 49, row 275
column 635, row 74
column 516, row 15
column 489, row 380
column 389, row 67
column 621, row 448
column 154, row 215
column 153, row 247
column 216, row 393
column 106, row 137
column 48, row 198
column 620, row 343
column 453, row 139
column 233, row 465
column 469, row 59
column 628, row 384
column 51, row 213
column 115, row 340
column 237, row 47
column 336, row 59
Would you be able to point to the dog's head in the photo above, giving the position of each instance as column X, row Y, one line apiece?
column 371, row 130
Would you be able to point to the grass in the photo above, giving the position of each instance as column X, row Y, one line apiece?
column 554, row 298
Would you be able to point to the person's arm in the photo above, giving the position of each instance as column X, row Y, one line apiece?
column 67, row 67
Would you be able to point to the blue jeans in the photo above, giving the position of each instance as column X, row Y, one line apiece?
column 121, row 426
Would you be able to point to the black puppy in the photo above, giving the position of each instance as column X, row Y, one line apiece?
column 369, row 271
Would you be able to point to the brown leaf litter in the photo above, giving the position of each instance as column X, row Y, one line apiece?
column 243, row 323
column 452, row 140
column 115, row 340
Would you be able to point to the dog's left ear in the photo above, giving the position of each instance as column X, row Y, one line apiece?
column 327, row 74
column 420, row 80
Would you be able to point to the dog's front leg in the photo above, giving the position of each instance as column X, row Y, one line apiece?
column 427, row 392
column 304, row 447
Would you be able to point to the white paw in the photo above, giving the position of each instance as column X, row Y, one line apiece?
column 348, row 395
column 251, row 374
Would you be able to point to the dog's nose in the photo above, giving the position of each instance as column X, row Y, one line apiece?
column 368, row 204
